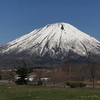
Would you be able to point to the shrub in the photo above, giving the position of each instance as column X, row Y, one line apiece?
column 21, row 81
column 75, row 84
column 39, row 83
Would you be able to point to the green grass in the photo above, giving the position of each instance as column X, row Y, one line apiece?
column 14, row 92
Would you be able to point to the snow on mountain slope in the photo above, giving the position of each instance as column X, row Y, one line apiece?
column 54, row 38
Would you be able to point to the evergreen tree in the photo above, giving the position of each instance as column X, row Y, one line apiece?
column 22, row 73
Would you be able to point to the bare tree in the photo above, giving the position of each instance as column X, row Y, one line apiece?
column 53, row 70
column 11, row 75
column 92, row 67
column 66, row 67
column 82, row 71
column 39, row 74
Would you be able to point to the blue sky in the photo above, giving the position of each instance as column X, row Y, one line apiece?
column 18, row 17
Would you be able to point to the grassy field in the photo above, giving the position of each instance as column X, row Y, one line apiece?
column 14, row 92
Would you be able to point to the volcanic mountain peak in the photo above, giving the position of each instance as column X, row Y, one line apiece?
column 55, row 39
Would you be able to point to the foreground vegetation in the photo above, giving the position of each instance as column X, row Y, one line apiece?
column 18, row 92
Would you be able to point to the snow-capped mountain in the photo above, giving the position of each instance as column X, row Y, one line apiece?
column 58, row 40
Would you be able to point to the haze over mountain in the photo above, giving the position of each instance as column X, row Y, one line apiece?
column 58, row 41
